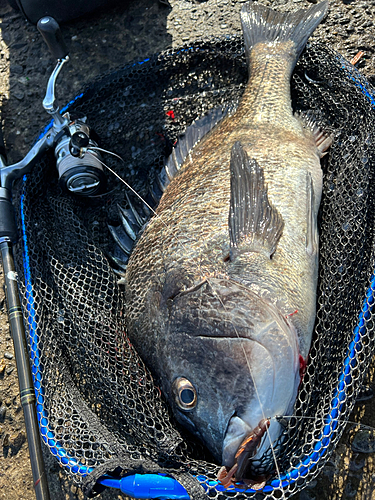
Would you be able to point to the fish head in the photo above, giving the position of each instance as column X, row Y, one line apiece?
column 229, row 359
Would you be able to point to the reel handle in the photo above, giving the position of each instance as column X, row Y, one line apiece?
column 51, row 33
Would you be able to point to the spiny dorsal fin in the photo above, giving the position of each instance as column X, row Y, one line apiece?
column 254, row 224
column 193, row 134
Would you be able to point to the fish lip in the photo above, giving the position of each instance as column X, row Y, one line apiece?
column 242, row 429
column 251, row 444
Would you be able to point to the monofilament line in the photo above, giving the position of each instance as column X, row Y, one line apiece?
column 325, row 418
column 256, row 392
column 132, row 189
column 121, row 179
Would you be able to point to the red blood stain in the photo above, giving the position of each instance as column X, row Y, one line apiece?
column 292, row 314
column 302, row 366
column 170, row 114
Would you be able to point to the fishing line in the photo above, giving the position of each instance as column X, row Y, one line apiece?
column 242, row 346
column 257, row 394
column 121, row 179
column 325, row 420
column 133, row 190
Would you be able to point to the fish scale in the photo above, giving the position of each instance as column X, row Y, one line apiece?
column 193, row 205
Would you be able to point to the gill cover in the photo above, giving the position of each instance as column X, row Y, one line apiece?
column 240, row 355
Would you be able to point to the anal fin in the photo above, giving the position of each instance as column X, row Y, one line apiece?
column 254, row 224
column 312, row 237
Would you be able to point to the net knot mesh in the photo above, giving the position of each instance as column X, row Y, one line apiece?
column 97, row 404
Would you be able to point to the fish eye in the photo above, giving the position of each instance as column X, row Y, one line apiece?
column 184, row 393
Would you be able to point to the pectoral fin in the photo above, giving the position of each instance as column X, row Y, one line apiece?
column 254, row 224
column 312, row 238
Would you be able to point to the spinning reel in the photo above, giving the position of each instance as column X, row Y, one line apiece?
column 79, row 166
column 80, row 169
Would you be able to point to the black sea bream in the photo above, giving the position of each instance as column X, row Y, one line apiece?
column 221, row 286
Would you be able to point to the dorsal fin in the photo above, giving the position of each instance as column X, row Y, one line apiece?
column 323, row 138
column 193, row 134
column 254, row 224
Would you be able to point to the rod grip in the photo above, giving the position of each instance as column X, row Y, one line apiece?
column 8, row 226
column 51, row 33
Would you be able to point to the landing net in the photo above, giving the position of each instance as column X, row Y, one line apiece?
column 99, row 410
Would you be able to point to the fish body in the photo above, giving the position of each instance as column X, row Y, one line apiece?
column 221, row 286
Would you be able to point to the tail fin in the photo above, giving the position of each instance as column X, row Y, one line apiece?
column 262, row 24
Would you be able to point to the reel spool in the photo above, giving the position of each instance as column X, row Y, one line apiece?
column 80, row 168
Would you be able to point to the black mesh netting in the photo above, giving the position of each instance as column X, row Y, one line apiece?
column 99, row 410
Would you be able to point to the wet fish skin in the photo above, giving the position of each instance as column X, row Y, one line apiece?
column 231, row 309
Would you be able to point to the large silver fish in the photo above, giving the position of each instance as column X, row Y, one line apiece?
column 221, row 286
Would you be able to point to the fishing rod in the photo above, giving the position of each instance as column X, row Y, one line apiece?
column 27, row 394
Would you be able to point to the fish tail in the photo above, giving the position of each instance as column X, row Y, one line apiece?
column 262, row 24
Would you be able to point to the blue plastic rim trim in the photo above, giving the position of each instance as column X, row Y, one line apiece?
column 47, row 436
column 151, row 484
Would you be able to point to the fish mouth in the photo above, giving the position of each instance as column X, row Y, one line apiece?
column 246, row 451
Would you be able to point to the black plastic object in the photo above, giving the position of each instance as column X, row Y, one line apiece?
column 60, row 10
column 51, row 33
column 78, row 141
column 8, row 228
column 3, row 151
column 83, row 180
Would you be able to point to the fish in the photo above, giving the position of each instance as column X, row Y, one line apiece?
column 220, row 286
